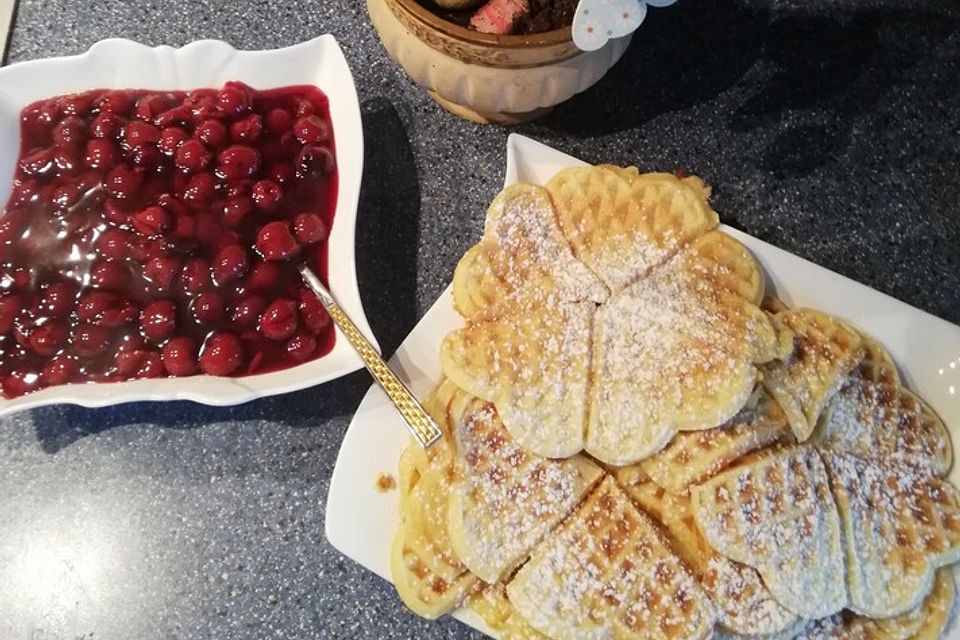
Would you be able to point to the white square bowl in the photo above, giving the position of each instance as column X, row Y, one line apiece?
column 207, row 63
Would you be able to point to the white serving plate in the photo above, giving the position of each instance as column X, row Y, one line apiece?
column 361, row 521
column 207, row 63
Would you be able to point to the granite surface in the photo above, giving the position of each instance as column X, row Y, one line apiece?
column 829, row 128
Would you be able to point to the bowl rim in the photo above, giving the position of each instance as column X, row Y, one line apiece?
column 434, row 22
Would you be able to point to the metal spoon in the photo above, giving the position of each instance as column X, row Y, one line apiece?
column 421, row 425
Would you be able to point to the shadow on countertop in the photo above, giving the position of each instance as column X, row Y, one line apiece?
column 387, row 229
column 681, row 56
column 829, row 70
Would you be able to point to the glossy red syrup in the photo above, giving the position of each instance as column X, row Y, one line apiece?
column 153, row 234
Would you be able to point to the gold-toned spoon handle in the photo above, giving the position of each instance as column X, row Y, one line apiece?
column 421, row 425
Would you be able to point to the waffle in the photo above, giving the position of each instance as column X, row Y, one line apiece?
column 872, row 418
column 675, row 351
column 692, row 457
column 533, row 366
column 507, row 499
column 622, row 228
column 743, row 604
column 492, row 605
column 522, row 251
column 825, row 351
column 927, row 621
column 429, row 578
column 900, row 525
column 608, row 573
column 775, row 513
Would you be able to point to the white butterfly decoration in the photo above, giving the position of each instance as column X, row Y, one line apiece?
column 597, row 21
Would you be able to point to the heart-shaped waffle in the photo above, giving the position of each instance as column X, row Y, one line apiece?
column 523, row 251
column 743, row 603
column 506, row 499
column 608, row 573
column 532, row 363
column 900, row 524
column 825, row 351
column 622, row 228
column 694, row 456
column 676, row 351
column 776, row 513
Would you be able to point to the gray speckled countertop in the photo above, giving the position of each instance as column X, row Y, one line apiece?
column 829, row 128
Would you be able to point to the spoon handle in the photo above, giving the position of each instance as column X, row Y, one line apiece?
column 421, row 425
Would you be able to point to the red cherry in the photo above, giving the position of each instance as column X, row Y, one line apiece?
column 211, row 133
column 20, row 383
column 315, row 316
column 66, row 194
column 146, row 156
column 118, row 102
column 248, row 129
column 239, row 188
column 57, row 298
column 114, row 244
column 158, row 320
column 122, row 182
column 230, row 263
column 47, row 339
column 207, row 307
column 24, row 190
column 106, row 126
column 200, row 189
column 115, row 212
column 279, row 320
column 266, row 194
column 279, row 121
column 107, row 309
column 109, row 275
column 195, row 276
column 38, row 162
column 235, row 98
column 192, row 156
column 301, row 346
column 152, row 221
column 59, row 370
column 247, row 311
column 89, row 341
column 170, row 140
column 140, row 133
column 70, row 131
column 161, row 270
column 150, row 106
column 66, row 160
column 315, row 161
column 263, row 277
column 180, row 356
column 101, row 154
column 142, row 363
column 171, row 203
column 309, row 228
column 275, row 242
column 303, row 107
column 177, row 115
column 281, row 172
column 10, row 307
column 222, row 354
column 237, row 162
column 78, row 104
column 235, row 209
column 311, row 130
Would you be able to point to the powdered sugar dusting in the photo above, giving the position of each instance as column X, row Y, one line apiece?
column 509, row 498
column 778, row 516
column 609, row 566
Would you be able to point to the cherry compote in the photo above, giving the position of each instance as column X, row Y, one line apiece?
column 158, row 233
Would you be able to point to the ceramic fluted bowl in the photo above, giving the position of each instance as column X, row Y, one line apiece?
column 497, row 79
